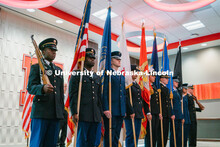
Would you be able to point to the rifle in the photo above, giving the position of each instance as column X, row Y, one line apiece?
column 41, row 62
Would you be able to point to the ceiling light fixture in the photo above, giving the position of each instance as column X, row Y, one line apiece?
column 28, row 4
column 178, row 7
column 102, row 14
column 31, row 10
column 194, row 35
column 193, row 25
column 149, row 35
column 59, row 21
column 185, row 48
column 204, row 44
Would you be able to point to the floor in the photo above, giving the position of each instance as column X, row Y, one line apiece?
column 199, row 144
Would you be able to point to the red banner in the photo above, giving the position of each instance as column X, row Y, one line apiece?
column 207, row 91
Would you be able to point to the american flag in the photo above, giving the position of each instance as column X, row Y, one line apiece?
column 26, row 120
column 81, row 45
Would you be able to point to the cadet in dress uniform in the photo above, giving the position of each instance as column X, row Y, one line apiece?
column 48, row 103
column 153, row 113
column 136, row 111
column 90, row 105
column 192, row 113
column 186, row 114
column 167, row 112
column 118, row 102
column 179, row 118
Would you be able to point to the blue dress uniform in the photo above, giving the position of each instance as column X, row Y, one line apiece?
column 90, row 107
column 166, row 113
column 118, row 102
column 178, row 119
column 118, row 108
column 192, row 114
column 47, row 109
column 186, row 118
column 137, row 109
column 155, row 110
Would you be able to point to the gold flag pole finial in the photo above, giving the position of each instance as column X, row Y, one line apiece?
column 143, row 22
column 154, row 30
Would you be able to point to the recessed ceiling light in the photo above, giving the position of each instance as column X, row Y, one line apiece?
column 204, row 44
column 147, row 38
column 194, row 35
column 102, row 14
column 59, row 21
column 193, row 25
column 30, row 10
column 185, row 48
column 158, row 0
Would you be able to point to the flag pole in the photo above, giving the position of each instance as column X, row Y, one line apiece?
column 174, row 132
column 182, row 123
column 182, row 105
column 161, row 121
column 171, row 100
column 110, row 100
column 80, row 82
column 150, row 122
column 133, row 127
column 78, row 104
column 110, row 109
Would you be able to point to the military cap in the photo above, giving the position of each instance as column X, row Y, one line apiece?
column 175, row 79
column 116, row 55
column 48, row 43
column 134, row 67
column 90, row 52
column 185, row 85
column 190, row 86
column 165, row 76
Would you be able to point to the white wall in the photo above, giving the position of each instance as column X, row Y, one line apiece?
column 15, row 32
column 202, row 67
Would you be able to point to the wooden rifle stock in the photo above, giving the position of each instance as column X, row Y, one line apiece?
column 41, row 62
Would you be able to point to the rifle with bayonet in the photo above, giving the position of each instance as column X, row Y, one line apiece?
column 41, row 62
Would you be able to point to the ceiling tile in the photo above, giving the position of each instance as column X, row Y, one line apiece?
column 214, row 28
column 62, row 5
column 201, row 31
column 204, row 14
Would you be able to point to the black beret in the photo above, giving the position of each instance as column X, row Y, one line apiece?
column 48, row 43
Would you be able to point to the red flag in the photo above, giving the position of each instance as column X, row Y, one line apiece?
column 26, row 120
column 144, row 80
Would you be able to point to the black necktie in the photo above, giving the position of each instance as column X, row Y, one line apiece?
column 51, row 65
